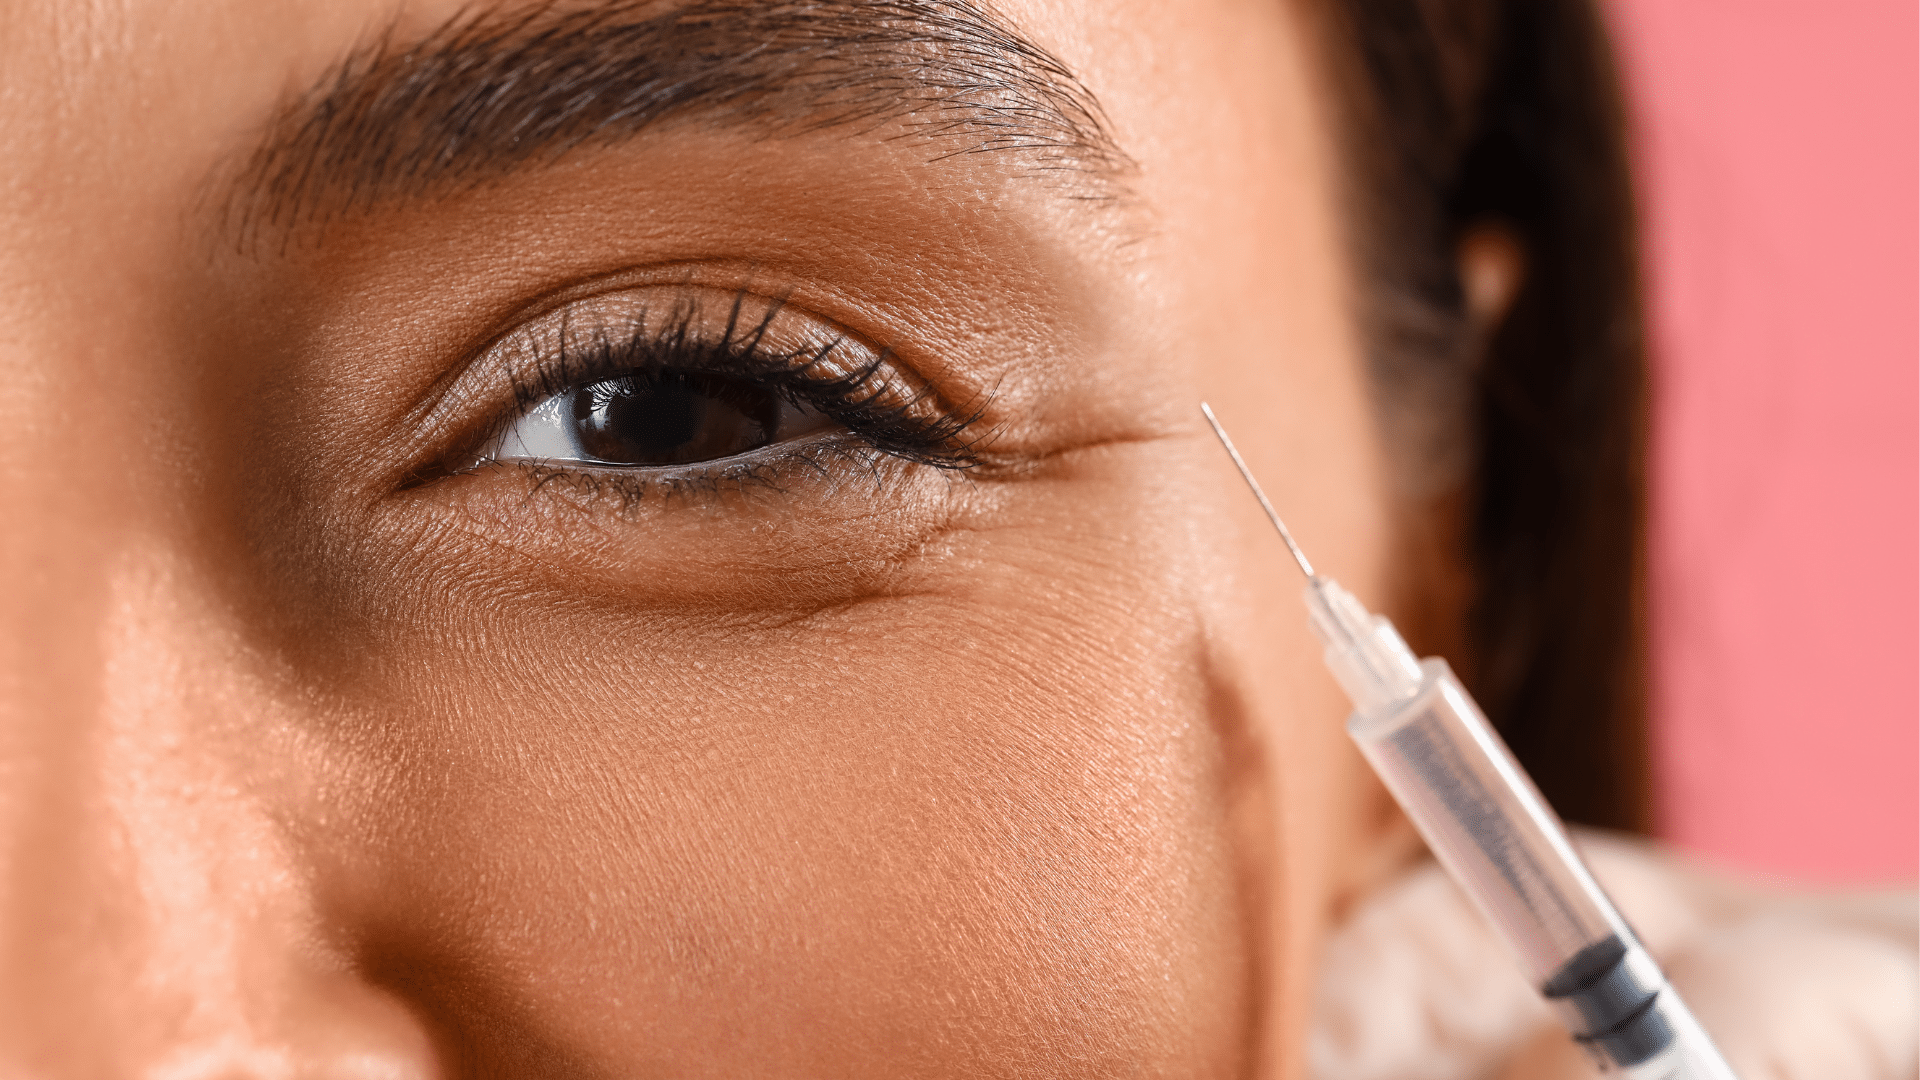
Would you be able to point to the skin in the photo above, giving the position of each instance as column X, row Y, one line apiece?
column 306, row 771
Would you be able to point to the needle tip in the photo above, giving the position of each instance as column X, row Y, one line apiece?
column 1247, row 475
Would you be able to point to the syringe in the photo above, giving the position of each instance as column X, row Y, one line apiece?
column 1488, row 825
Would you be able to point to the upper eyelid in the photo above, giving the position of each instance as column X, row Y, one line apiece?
column 487, row 381
column 604, row 354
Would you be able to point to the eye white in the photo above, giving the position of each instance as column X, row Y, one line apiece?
column 547, row 433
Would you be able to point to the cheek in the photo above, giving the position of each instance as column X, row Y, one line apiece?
column 937, row 833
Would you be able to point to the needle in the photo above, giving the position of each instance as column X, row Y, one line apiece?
column 1298, row 555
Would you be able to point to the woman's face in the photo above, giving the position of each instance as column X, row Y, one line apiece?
column 623, row 546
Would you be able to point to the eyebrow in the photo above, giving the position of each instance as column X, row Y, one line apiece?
column 497, row 89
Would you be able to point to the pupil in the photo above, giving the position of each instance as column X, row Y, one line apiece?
column 673, row 418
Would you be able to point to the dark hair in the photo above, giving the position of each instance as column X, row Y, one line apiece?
column 1462, row 113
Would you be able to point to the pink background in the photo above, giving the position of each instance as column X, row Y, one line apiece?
column 1780, row 168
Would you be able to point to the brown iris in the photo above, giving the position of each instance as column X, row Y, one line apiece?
column 673, row 418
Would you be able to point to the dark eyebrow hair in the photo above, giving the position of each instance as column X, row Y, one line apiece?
column 498, row 88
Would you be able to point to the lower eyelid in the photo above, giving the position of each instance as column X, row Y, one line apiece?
column 551, row 448
column 781, row 467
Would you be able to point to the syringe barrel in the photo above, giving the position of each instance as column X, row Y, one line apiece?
column 1486, row 822
column 1490, row 828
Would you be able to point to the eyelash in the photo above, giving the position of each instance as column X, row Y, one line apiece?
column 891, row 414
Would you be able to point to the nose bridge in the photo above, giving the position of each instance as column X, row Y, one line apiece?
column 154, row 911
column 70, row 893
column 68, row 245
column 154, row 916
column 67, row 896
column 110, row 823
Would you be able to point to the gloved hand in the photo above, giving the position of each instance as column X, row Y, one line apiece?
column 1792, row 985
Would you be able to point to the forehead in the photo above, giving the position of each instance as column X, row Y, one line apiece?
column 370, row 95
column 309, row 89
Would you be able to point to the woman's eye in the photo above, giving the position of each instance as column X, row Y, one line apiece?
column 657, row 418
column 676, row 377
